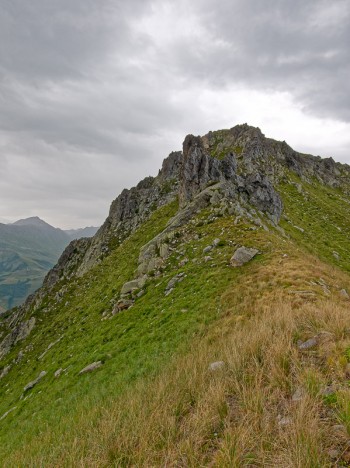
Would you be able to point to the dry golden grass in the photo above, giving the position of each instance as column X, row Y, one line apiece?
column 242, row 414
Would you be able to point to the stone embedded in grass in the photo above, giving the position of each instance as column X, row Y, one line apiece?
column 217, row 365
column 176, row 279
column 344, row 293
column 58, row 372
column 207, row 249
column 208, row 258
column 34, row 382
column 216, row 242
column 131, row 285
column 283, row 421
column 243, row 255
column 298, row 394
column 91, row 367
column 308, row 344
column 7, row 412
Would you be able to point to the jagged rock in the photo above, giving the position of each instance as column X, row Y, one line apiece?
column 217, row 365
column 32, row 384
column 19, row 333
column 91, row 367
column 308, row 344
column 243, row 255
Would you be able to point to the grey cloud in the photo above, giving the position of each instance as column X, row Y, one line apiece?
column 296, row 46
column 93, row 95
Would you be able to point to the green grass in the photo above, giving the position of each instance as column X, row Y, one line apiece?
column 323, row 213
column 140, row 342
column 132, row 344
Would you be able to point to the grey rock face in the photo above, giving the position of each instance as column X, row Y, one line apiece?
column 19, row 332
column 34, row 382
column 91, row 367
column 243, row 255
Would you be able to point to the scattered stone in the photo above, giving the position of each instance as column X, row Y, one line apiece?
column 298, row 394
column 243, row 255
column 217, row 365
column 283, row 421
column 131, row 285
column 216, row 242
column 308, row 344
column 49, row 347
column 34, row 382
column 207, row 249
column 58, row 372
column 122, row 304
column 140, row 293
column 340, row 428
column 333, row 454
column 336, row 255
column 326, row 391
column 7, row 412
column 168, row 291
column 176, row 279
column 299, row 229
column 91, row 367
column 183, row 262
column 5, row 371
column 344, row 293
column 208, row 258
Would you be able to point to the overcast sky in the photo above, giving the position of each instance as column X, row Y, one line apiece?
column 94, row 94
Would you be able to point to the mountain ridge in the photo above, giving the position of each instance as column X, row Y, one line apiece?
column 156, row 308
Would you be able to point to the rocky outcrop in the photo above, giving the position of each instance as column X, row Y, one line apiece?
column 18, row 333
column 232, row 172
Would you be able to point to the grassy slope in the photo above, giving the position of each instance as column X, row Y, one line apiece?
column 154, row 402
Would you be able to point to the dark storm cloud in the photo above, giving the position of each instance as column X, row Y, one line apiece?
column 93, row 94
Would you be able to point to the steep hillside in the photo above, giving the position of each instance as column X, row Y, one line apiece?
column 29, row 248
column 205, row 324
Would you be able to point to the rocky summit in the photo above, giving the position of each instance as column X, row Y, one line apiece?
column 204, row 324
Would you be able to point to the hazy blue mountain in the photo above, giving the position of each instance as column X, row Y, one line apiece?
column 89, row 231
column 29, row 248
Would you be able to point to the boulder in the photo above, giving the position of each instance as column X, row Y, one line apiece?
column 131, row 285
column 91, row 367
column 243, row 255
column 32, row 384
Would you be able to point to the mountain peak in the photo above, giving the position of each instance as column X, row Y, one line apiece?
column 32, row 221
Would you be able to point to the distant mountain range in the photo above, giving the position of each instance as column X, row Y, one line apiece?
column 29, row 248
